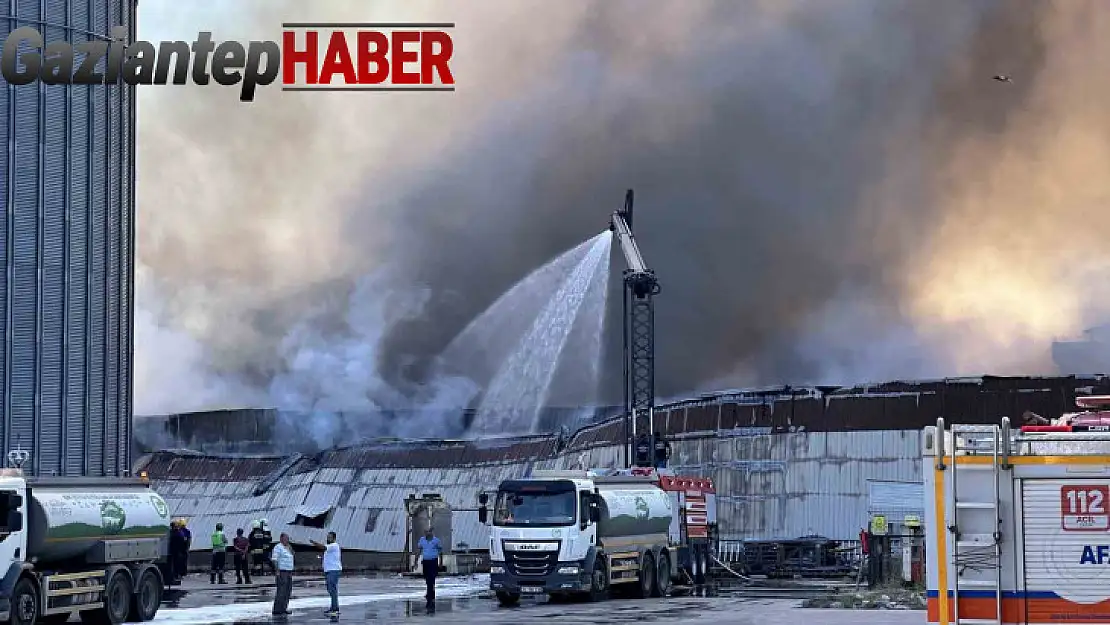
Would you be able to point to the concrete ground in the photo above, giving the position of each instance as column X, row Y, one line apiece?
column 464, row 600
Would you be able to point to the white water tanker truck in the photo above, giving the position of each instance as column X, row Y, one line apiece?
column 85, row 546
column 588, row 532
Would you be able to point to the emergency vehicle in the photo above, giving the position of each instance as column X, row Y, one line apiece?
column 1018, row 521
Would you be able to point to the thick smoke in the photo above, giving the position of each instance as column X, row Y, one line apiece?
column 828, row 190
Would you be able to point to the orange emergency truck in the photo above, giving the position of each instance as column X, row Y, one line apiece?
column 1018, row 521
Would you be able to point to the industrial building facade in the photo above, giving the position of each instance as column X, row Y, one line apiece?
column 786, row 463
column 67, row 254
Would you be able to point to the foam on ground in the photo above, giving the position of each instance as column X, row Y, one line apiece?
column 243, row 611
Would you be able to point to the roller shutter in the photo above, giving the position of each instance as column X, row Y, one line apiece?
column 1067, row 550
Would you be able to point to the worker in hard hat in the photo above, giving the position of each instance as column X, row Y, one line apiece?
column 176, row 546
column 180, row 541
column 257, row 540
column 268, row 539
column 219, row 554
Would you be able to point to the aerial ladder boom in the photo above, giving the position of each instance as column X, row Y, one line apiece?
column 640, row 287
column 622, row 228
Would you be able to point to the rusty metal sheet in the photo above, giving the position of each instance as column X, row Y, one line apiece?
column 179, row 466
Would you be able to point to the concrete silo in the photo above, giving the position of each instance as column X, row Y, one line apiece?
column 67, row 253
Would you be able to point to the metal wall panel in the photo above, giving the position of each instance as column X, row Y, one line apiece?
column 66, row 248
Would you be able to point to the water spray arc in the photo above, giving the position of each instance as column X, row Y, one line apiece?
column 640, row 289
column 521, row 386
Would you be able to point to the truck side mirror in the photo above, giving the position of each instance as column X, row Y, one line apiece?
column 595, row 513
column 483, row 498
column 483, row 514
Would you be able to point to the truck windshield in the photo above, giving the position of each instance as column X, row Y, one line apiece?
column 534, row 508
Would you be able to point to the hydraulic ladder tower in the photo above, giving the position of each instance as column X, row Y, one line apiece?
column 640, row 287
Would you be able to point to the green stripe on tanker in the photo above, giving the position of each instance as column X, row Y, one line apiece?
column 67, row 523
column 633, row 511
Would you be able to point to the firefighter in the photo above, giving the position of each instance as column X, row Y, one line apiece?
column 662, row 451
column 643, row 451
column 179, row 552
column 185, row 546
column 268, row 540
column 257, row 540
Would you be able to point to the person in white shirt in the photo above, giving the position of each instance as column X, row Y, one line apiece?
column 282, row 557
column 333, row 568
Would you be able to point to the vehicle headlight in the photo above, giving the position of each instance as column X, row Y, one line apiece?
column 570, row 570
column 496, row 570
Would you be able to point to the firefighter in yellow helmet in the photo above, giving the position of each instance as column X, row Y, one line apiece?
column 257, row 540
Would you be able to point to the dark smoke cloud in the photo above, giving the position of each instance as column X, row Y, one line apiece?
column 828, row 190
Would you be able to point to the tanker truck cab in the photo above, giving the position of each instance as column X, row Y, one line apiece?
column 586, row 532
column 543, row 538
column 80, row 546
column 13, row 537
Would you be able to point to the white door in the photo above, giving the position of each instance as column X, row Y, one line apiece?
column 13, row 545
column 1067, row 550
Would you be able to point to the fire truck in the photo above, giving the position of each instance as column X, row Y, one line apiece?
column 1018, row 520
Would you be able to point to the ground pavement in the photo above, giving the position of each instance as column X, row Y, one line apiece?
column 464, row 600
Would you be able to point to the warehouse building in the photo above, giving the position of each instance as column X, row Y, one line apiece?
column 786, row 463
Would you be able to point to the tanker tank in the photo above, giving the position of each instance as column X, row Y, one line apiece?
column 633, row 510
column 66, row 521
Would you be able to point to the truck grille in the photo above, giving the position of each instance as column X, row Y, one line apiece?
column 531, row 563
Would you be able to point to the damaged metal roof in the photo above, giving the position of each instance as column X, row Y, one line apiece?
column 769, row 486
column 787, row 462
column 192, row 466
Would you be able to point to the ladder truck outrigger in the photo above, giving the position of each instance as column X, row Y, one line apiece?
column 1018, row 520
column 586, row 533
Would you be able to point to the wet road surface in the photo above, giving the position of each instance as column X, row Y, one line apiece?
column 463, row 600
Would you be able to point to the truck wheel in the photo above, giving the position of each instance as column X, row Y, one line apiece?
column 25, row 603
column 507, row 599
column 663, row 576
column 147, row 598
column 599, row 583
column 646, row 587
column 117, row 602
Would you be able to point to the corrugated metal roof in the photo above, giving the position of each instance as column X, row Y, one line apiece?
column 184, row 466
column 898, row 405
column 769, row 486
